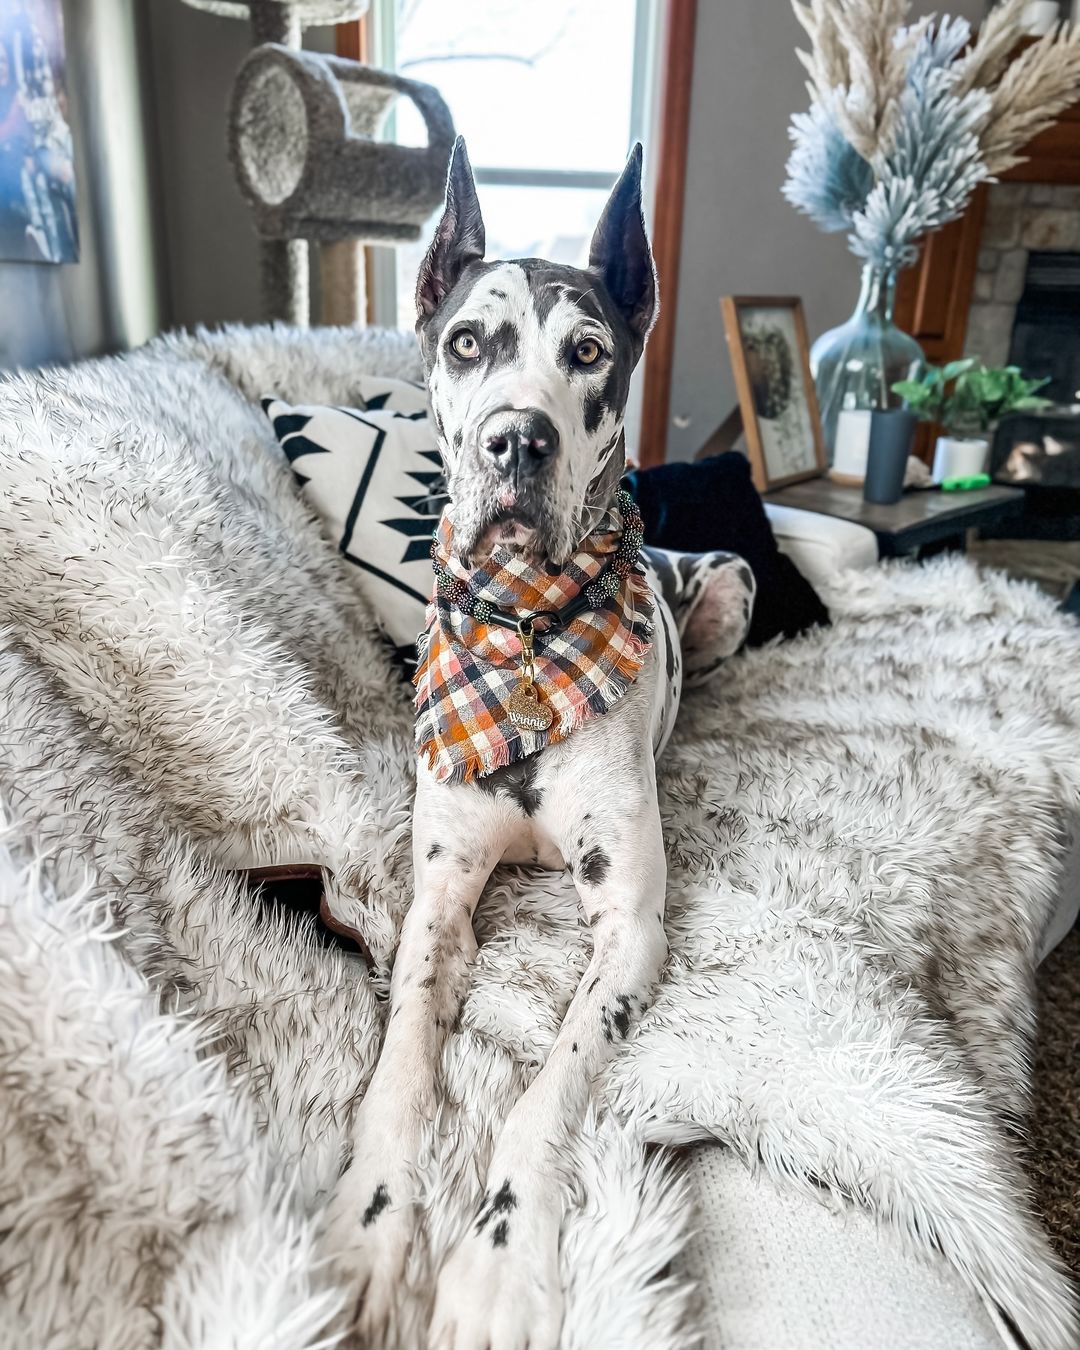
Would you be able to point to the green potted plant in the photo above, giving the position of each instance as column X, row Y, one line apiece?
column 967, row 398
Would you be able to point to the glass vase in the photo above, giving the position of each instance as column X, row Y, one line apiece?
column 856, row 365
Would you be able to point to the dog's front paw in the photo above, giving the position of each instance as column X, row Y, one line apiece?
column 499, row 1290
column 368, row 1231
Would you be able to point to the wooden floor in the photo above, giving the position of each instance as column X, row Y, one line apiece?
column 1054, row 566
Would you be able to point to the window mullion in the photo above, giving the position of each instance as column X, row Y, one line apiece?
column 558, row 178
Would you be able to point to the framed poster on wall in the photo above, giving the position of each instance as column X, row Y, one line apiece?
column 38, row 221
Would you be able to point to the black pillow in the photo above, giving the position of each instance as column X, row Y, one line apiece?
column 713, row 505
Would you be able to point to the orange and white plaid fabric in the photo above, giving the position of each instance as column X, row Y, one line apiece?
column 468, row 670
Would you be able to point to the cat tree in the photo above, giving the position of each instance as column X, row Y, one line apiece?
column 302, row 141
column 283, row 20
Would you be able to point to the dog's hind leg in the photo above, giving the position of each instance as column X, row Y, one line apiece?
column 500, row 1287
column 372, row 1218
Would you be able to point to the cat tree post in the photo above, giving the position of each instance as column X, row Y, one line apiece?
column 342, row 282
column 276, row 21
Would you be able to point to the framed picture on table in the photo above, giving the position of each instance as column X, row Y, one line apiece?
column 770, row 357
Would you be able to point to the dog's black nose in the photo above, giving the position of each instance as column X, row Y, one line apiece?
column 520, row 442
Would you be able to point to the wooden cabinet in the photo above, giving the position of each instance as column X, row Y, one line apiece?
column 933, row 298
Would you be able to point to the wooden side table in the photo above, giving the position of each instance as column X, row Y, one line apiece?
column 924, row 520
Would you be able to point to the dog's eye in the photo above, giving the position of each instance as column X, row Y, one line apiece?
column 465, row 345
column 588, row 352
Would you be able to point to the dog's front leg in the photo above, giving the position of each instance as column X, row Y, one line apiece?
column 372, row 1218
column 500, row 1289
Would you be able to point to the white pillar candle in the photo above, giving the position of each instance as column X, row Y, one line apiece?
column 851, row 444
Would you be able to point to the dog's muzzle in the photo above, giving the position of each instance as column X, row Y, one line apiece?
column 519, row 442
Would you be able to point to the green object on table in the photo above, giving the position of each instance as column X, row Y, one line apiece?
column 975, row 480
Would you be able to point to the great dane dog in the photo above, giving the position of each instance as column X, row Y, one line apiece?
column 528, row 366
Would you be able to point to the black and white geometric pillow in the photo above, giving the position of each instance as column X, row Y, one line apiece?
column 374, row 475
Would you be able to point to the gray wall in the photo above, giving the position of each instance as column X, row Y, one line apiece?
column 739, row 235
column 210, row 272
column 107, row 300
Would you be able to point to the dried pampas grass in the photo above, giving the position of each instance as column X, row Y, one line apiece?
column 857, row 62
column 994, row 44
column 1034, row 87
column 921, row 112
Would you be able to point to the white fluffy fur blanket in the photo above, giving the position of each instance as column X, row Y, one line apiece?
column 863, row 826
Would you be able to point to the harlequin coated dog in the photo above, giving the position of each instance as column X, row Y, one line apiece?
column 528, row 367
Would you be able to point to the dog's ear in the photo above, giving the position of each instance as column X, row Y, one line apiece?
column 620, row 250
column 459, row 239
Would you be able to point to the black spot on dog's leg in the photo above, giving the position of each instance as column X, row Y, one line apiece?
column 573, row 1048
column 594, row 984
column 617, row 1022
column 434, row 851
column 500, row 1233
column 379, row 1202
column 594, row 866
column 621, row 1016
column 502, row 1202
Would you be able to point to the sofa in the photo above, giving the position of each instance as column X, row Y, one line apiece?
column 806, row 1144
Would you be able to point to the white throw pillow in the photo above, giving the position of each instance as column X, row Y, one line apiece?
column 374, row 475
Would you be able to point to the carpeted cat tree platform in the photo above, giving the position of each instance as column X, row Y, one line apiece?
column 304, row 140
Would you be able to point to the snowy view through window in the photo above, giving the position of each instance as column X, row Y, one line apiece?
column 548, row 124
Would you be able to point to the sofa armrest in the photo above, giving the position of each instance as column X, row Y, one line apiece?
column 819, row 545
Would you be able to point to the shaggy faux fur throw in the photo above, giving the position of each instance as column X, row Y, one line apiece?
column 864, row 827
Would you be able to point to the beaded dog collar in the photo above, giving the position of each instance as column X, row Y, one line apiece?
column 602, row 588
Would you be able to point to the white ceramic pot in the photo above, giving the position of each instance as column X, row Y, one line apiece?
column 959, row 457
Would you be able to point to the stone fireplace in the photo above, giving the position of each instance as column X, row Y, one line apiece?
column 1029, row 260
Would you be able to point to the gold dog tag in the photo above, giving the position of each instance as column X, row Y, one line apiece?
column 526, row 710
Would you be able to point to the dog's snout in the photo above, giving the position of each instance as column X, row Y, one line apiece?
column 521, row 442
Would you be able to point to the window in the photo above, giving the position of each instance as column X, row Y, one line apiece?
column 549, row 97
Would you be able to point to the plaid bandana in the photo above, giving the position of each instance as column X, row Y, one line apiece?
column 469, row 670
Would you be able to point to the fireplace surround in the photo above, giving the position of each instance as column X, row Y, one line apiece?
column 1025, row 303
column 963, row 292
